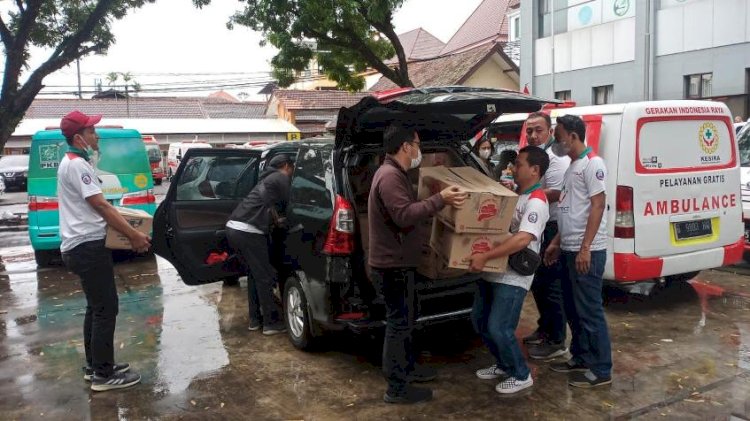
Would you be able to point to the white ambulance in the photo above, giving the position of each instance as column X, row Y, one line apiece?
column 673, row 192
column 177, row 150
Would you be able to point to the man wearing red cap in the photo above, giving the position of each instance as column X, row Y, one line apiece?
column 84, row 216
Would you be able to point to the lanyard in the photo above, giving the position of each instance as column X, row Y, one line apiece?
column 584, row 153
column 80, row 152
column 531, row 189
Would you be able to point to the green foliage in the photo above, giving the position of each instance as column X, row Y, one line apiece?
column 346, row 37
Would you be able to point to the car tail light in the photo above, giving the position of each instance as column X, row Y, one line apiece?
column 39, row 203
column 624, row 219
column 340, row 238
column 142, row 197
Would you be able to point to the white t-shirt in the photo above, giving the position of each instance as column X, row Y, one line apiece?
column 585, row 178
column 554, row 177
column 79, row 222
column 531, row 215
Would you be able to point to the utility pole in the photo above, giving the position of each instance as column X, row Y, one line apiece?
column 78, row 70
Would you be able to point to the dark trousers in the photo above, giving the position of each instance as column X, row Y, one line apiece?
column 261, row 277
column 495, row 315
column 92, row 262
column 547, row 290
column 582, row 295
column 397, row 286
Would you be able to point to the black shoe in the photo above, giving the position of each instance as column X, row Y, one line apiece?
column 546, row 351
column 535, row 338
column 274, row 329
column 88, row 372
column 115, row 381
column 410, row 394
column 422, row 374
column 254, row 325
column 587, row 380
column 567, row 367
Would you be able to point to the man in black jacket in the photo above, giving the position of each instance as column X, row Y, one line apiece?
column 248, row 234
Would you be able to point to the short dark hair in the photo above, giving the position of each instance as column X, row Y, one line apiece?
column 573, row 124
column 536, row 156
column 539, row 114
column 279, row 161
column 478, row 144
column 395, row 136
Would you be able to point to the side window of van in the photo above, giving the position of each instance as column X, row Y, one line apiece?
column 310, row 196
column 212, row 177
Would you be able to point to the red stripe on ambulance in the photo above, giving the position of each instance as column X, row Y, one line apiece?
column 694, row 204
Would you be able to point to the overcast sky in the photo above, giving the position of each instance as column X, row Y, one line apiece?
column 172, row 42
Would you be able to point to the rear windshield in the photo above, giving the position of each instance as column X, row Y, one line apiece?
column 689, row 145
column 744, row 142
column 154, row 153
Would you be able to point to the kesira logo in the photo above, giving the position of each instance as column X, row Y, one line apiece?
column 481, row 245
column 487, row 210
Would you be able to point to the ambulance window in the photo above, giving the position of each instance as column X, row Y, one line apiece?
column 743, row 139
column 690, row 145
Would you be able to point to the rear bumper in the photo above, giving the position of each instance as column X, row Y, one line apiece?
column 632, row 268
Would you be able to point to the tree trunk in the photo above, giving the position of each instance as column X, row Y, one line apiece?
column 8, row 123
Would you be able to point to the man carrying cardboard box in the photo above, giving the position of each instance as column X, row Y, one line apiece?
column 395, row 251
column 499, row 298
column 84, row 216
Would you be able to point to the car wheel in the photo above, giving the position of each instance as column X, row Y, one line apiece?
column 296, row 315
column 158, row 181
column 682, row 277
column 44, row 258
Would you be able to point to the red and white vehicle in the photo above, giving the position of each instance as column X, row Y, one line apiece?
column 673, row 195
column 154, row 158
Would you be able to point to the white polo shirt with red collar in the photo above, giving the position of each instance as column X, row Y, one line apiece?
column 79, row 222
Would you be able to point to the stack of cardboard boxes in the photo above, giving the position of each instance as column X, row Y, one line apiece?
column 457, row 234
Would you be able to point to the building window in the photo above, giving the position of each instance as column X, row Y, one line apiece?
column 698, row 86
column 515, row 27
column 603, row 94
column 563, row 95
column 545, row 19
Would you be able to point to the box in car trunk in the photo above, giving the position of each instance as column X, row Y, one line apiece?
column 457, row 249
column 488, row 208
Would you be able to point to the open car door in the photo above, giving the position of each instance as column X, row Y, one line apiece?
column 189, row 225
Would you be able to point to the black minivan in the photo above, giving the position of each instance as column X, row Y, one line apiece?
column 324, row 279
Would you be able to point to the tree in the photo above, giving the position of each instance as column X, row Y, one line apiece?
column 112, row 78
column 71, row 29
column 348, row 37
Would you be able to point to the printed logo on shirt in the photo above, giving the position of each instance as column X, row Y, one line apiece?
column 487, row 210
column 86, row 178
column 533, row 217
column 600, row 174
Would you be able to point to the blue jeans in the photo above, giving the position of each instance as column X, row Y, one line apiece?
column 497, row 308
column 547, row 290
column 582, row 295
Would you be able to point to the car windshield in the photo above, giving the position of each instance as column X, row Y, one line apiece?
column 10, row 161
column 743, row 139
column 154, row 154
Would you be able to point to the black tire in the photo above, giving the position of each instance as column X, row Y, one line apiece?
column 296, row 316
column 45, row 258
column 158, row 181
column 232, row 281
column 681, row 277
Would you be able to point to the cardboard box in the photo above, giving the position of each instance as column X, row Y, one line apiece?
column 433, row 266
column 138, row 219
column 457, row 249
column 488, row 209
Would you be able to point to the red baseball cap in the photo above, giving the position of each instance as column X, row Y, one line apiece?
column 76, row 120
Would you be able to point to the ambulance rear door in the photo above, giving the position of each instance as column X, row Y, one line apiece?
column 681, row 160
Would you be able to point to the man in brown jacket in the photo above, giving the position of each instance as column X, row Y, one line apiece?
column 395, row 243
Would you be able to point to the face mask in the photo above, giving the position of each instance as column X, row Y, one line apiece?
column 416, row 161
column 485, row 154
column 93, row 155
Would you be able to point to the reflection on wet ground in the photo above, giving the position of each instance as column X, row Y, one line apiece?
column 682, row 353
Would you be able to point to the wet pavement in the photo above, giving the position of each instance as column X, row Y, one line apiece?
column 682, row 353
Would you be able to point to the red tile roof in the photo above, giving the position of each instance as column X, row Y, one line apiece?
column 451, row 69
column 420, row 44
column 166, row 107
column 295, row 99
column 488, row 22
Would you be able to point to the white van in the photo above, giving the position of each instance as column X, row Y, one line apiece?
column 673, row 196
column 743, row 140
column 177, row 151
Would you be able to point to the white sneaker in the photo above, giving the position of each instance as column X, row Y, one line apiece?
column 513, row 385
column 489, row 373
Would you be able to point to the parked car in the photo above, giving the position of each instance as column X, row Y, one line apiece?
column 15, row 171
column 324, row 278
column 175, row 153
